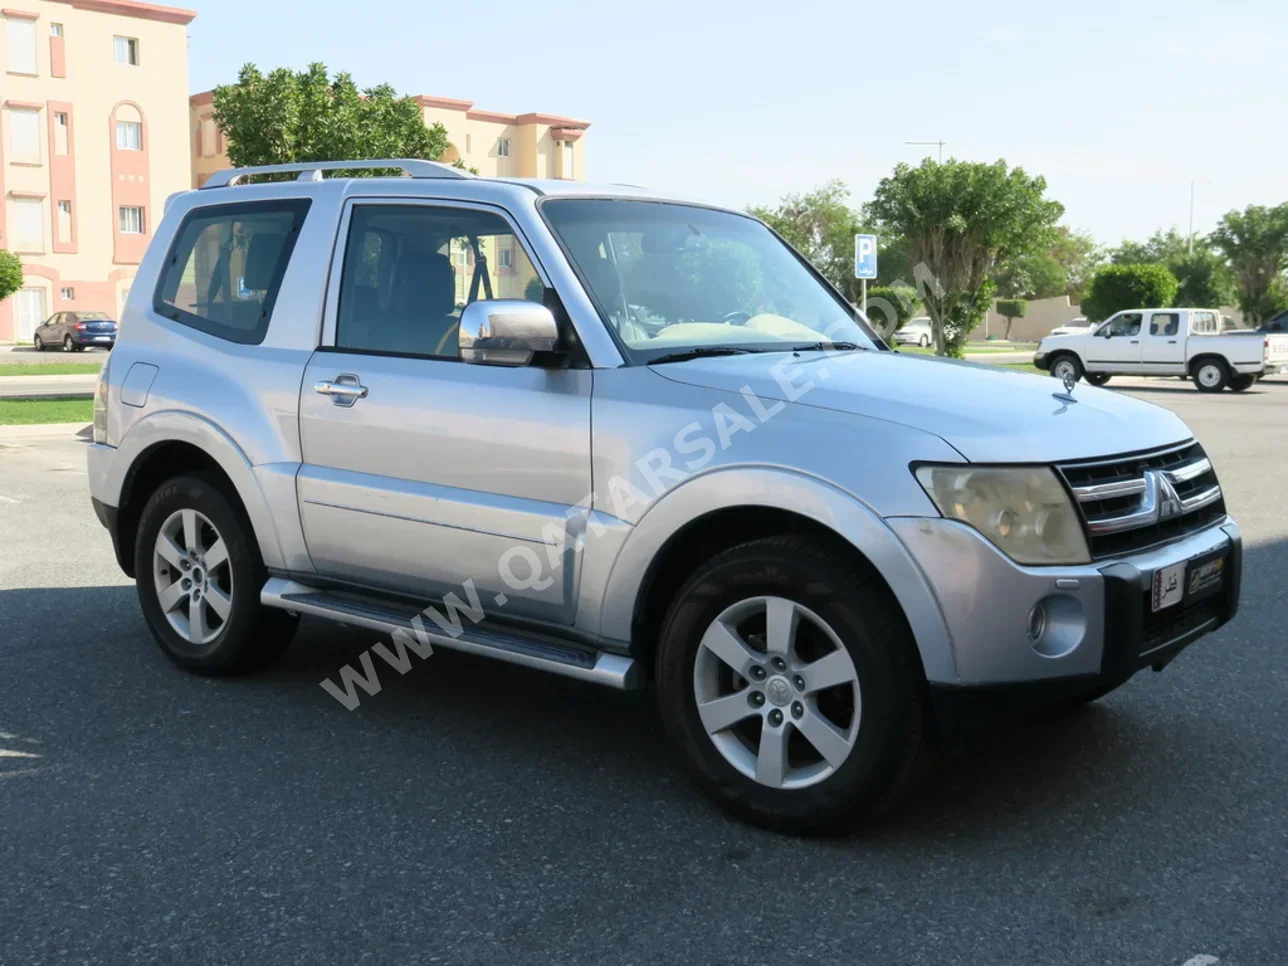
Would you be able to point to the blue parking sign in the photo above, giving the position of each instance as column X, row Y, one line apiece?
column 865, row 256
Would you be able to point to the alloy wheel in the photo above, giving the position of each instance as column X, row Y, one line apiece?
column 777, row 692
column 67, row 344
column 194, row 582
column 1064, row 368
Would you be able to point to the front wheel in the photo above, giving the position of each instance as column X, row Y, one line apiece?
column 1098, row 378
column 1067, row 366
column 924, row 343
column 1211, row 375
column 39, row 343
column 790, row 683
column 199, row 574
column 1241, row 383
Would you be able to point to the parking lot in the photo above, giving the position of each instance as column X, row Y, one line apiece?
column 476, row 812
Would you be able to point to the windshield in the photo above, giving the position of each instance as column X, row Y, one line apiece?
column 669, row 278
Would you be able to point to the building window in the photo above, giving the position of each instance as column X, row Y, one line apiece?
column 28, row 224
column 55, row 30
column 20, row 46
column 567, row 149
column 505, row 258
column 24, row 134
column 131, row 220
column 129, row 135
column 63, row 228
column 60, row 132
column 127, row 50
column 68, row 294
column 503, row 148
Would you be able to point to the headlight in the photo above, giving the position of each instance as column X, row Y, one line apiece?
column 1022, row 510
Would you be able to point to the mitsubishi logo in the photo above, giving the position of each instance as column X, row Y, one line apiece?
column 1161, row 493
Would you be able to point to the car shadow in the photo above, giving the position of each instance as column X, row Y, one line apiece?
column 1165, row 386
column 1097, row 760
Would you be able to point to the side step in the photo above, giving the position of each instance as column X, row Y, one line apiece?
column 538, row 651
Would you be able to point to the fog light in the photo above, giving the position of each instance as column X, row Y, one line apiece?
column 1037, row 621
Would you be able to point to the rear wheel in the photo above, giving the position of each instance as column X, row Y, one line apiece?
column 1211, row 375
column 68, row 344
column 1066, row 365
column 790, row 683
column 1098, row 378
column 199, row 574
column 924, row 342
column 1240, row 383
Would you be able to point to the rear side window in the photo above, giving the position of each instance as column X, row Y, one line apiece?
column 226, row 265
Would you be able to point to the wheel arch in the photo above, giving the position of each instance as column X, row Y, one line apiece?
column 167, row 444
column 1055, row 357
column 722, row 509
column 1198, row 360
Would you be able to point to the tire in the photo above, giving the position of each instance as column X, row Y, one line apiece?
column 924, row 342
column 1241, row 383
column 839, row 609
column 1067, row 362
column 248, row 635
column 1211, row 375
column 68, row 344
column 1098, row 378
column 39, row 344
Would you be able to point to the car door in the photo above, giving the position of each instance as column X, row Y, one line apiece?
column 1163, row 345
column 48, row 330
column 1115, row 347
column 421, row 472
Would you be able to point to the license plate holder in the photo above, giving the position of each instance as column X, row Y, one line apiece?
column 1188, row 581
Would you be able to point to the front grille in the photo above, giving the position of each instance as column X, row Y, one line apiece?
column 1130, row 503
column 1167, row 626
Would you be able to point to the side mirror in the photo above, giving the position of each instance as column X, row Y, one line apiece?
column 505, row 332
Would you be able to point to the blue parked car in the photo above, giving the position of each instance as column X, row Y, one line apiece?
column 75, row 331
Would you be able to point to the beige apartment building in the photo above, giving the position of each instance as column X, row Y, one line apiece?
column 497, row 145
column 92, row 121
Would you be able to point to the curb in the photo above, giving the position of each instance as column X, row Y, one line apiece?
column 47, row 431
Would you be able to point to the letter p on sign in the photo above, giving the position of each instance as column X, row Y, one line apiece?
column 865, row 256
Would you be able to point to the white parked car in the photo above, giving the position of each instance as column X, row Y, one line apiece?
column 1079, row 326
column 916, row 332
column 1165, row 342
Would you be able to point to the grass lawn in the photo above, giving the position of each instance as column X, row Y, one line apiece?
column 28, row 412
column 50, row 369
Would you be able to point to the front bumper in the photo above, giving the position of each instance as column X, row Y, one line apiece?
column 1040, row 360
column 1102, row 629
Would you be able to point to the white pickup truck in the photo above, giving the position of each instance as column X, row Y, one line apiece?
column 1165, row 342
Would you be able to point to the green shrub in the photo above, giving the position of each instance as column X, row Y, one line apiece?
column 1012, row 309
column 891, row 306
column 1116, row 288
column 10, row 274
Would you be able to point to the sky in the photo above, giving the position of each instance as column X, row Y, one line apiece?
column 1120, row 106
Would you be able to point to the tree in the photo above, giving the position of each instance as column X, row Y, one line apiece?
column 1255, row 241
column 10, row 274
column 290, row 116
column 1204, row 280
column 1115, row 288
column 1064, row 268
column 821, row 226
column 1012, row 309
column 962, row 220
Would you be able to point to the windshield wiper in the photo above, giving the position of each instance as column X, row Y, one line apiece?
column 821, row 346
column 701, row 352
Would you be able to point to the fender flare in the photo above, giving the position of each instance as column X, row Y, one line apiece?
column 776, row 488
column 170, row 426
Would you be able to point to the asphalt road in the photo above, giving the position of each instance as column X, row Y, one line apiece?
column 479, row 813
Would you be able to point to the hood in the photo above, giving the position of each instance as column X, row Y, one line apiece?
column 987, row 413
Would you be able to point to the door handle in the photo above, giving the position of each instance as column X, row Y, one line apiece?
column 345, row 390
column 1135, row 342
column 1171, row 342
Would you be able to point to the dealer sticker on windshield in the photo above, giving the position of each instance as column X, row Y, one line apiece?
column 1169, row 585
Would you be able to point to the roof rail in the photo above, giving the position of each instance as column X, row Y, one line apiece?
column 312, row 170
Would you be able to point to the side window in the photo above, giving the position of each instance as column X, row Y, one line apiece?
column 1165, row 323
column 225, row 266
column 410, row 269
column 1126, row 324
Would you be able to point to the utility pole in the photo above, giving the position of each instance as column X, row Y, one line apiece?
column 939, row 143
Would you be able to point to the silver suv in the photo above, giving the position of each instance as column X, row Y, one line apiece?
column 634, row 441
